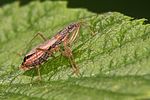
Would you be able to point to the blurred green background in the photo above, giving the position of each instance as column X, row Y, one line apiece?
column 114, row 64
column 133, row 8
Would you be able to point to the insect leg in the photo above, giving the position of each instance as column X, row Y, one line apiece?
column 68, row 53
column 39, row 74
column 38, row 34
column 48, row 51
column 44, row 50
column 73, row 36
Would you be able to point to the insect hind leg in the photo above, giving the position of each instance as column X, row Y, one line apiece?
column 38, row 34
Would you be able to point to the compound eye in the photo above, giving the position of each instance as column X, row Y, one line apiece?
column 70, row 26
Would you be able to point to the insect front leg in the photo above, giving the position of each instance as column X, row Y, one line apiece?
column 72, row 37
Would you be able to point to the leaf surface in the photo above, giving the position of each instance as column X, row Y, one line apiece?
column 114, row 63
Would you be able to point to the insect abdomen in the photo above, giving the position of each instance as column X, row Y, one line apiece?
column 41, row 59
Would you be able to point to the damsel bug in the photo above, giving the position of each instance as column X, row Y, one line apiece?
column 43, row 51
column 40, row 53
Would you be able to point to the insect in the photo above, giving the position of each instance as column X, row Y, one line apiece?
column 43, row 51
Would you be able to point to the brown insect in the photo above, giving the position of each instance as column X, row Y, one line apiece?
column 43, row 51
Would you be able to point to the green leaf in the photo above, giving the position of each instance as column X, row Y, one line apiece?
column 114, row 63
